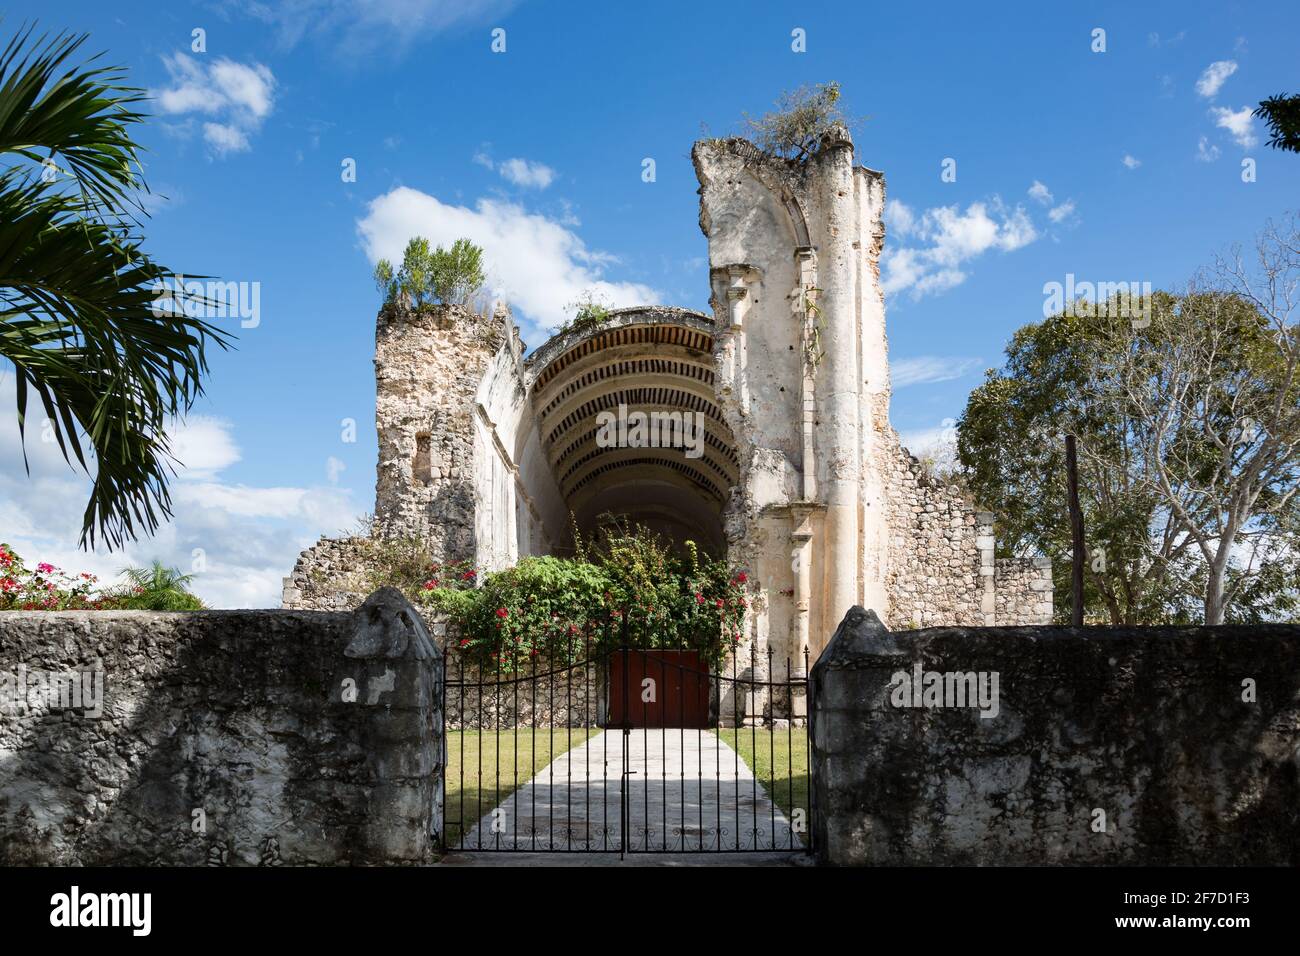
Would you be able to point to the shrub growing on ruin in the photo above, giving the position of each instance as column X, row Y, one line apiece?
column 801, row 118
column 451, row 276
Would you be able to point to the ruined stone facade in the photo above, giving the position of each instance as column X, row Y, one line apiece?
column 797, row 475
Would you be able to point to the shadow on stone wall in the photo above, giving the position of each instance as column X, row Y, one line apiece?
column 227, row 738
column 1109, row 746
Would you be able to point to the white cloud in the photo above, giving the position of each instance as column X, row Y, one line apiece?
column 938, row 444
column 1062, row 212
column 1213, row 78
column 521, row 172
column 535, row 263
column 248, row 536
column 333, row 468
column 1236, row 122
column 239, row 97
column 225, row 139
column 899, row 218
column 362, row 28
column 927, row 369
column 952, row 238
column 1131, row 162
column 203, row 446
column 1206, row 151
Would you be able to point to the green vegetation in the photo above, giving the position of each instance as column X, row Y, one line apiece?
column 1281, row 114
column 802, row 117
column 779, row 760
column 625, row 583
column 1187, row 413
column 451, row 276
column 83, row 316
column 157, row 588
column 485, row 766
column 47, row 588
column 589, row 310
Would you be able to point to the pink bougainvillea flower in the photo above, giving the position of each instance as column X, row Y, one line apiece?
column 45, row 568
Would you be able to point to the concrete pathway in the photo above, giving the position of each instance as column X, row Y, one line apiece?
column 689, row 793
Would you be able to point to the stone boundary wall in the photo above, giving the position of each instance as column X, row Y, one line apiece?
column 1110, row 746
column 557, row 696
column 225, row 738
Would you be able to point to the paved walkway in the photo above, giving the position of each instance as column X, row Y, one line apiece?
column 689, row 792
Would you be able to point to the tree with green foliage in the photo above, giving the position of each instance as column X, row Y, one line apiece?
column 1281, row 114
column 801, row 119
column 1188, row 421
column 79, row 297
column 451, row 276
column 157, row 588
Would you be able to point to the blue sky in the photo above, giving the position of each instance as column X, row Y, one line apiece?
column 1117, row 165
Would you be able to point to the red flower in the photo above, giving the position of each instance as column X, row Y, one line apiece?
column 742, row 577
column 430, row 585
column 467, row 576
column 721, row 603
column 699, row 598
column 45, row 568
column 502, row 612
column 464, row 642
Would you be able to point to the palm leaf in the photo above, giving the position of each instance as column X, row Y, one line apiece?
column 80, row 315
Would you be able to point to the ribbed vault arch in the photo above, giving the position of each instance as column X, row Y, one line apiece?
column 649, row 360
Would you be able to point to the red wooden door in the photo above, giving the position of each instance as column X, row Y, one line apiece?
column 663, row 689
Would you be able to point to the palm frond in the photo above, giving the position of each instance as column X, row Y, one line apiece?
column 84, row 317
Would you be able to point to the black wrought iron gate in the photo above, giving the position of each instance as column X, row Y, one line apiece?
column 627, row 751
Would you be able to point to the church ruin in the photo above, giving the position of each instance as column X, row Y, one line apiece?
column 795, row 473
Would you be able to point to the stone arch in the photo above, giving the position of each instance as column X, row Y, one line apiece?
column 650, row 360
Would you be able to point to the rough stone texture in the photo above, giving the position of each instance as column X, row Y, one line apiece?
column 238, row 714
column 1146, row 724
column 324, row 578
column 938, row 572
column 555, row 696
column 428, row 367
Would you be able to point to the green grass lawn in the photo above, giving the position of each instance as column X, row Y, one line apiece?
column 495, row 764
column 779, row 759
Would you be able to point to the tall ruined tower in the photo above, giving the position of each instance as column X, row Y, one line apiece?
column 794, row 262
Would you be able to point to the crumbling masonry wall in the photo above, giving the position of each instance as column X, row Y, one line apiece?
column 1107, row 746
column 225, row 738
